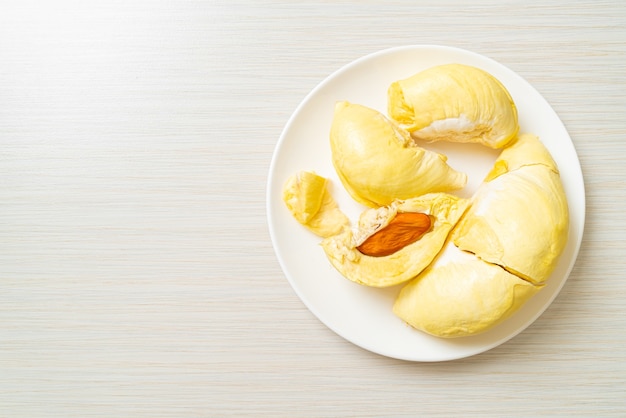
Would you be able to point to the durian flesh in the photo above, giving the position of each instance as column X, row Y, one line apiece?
column 461, row 295
column 378, row 162
column 519, row 218
column 307, row 197
column 500, row 253
column 454, row 102
column 401, row 266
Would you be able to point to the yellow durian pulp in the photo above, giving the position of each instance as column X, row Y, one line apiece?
column 519, row 218
column 502, row 251
column 444, row 210
column 461, row 295
column 307, row 197
column 454, row 102
column 378, row 162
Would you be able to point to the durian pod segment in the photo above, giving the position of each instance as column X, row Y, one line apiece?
column 460, row 295
column 519, row 218
column 378, row 162
column 307, row 198
column 401, row 266
column 454, row 102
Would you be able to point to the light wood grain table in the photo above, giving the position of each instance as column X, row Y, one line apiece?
column 137, row 277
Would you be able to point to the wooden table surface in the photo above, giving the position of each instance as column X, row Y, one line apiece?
column 137, row 276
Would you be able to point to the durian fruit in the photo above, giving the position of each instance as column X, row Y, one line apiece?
column 454, row 102
column 311, row 204
column 519, row 218
column 378, row 162
column 376, row 226
column 461, row 295
column 501, row 252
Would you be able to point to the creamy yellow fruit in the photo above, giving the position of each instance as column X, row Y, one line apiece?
column 519, row 217
column 460, row 295
column 454, row 102
column 444, row 211
column 311, row 204
column 500, row 253
column 378, row 162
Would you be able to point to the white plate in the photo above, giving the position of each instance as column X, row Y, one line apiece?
column 361, row 314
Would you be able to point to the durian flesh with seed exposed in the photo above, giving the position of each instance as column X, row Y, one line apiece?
column 343, row 253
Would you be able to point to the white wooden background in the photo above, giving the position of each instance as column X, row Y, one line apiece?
column 137, row 277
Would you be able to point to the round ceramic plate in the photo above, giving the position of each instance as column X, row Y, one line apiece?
column 363, row 315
